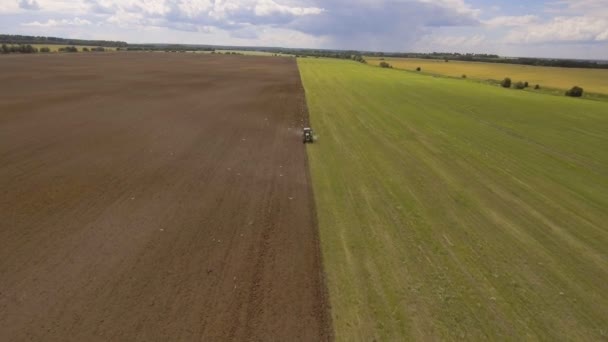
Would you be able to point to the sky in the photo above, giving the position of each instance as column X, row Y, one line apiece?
column 533, row 28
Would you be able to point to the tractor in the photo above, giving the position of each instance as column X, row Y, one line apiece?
column 308, row 135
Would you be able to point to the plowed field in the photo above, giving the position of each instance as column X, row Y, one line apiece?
column 156, row 197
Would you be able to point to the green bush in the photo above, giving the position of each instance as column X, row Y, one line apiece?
column 576, row 91
column 520, row 85
column 537, row 87
column 506, row 83
column 464, row 76
column 418, row 69
column 385, row 65
column 359, row 59
column 45, row 49
column 526, row 84
column 68, row 49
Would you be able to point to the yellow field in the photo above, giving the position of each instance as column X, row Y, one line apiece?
column 55, row 48
column 592, row 80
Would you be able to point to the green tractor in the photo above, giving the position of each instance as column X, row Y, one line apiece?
column 308, row 135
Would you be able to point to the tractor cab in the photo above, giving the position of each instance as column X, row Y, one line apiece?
column 308, row 135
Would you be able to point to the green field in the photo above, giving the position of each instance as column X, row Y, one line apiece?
column 592, row 80
column 452, row 209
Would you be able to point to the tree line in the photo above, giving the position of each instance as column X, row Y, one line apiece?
column 491, row 58
column 18, row 49
column 27, row 48
column 167, row 48
column 339, row 54
column 21, row 40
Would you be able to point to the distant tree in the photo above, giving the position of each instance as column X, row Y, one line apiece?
column 537, row 87
column 21, row 48
column 506, row 83
column 520, row 85
column 27, row 49
column 359, row 59
column 85, row 49
column 45, row 49
column 526, row 84
column 98, row 49
column 385, row 65
column 464, row 76
column 68, row 49
column 576, row 91
column 418, row 69
column 447, row 60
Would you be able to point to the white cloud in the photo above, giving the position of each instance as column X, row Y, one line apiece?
column 193, row 9
column 352, row 24
column 71, row 7
column 29, row 4
column 580, row 7
column 388, row 25
column 565, row 28
column 269, row 7
column 222, row 10
column 511, row 21
column 148, row 7
column 226, row 13
column 450, row 43
column 122, row 19
column 562, row 30
column 63, row 22
column 460, row 6
column 7, row 7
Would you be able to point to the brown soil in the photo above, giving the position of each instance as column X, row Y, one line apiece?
column 156, row 196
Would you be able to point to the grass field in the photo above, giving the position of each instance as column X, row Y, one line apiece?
column 592, row 80
column 55, row 48
column 456, row 210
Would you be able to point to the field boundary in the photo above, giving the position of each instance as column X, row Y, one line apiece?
column 325, row 307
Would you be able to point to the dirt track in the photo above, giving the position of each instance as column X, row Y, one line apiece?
column 156, row 197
